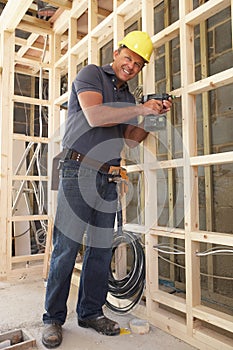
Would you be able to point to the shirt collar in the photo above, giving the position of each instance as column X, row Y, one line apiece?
column 108, row 69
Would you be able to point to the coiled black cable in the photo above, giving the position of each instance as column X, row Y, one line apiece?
column 131, row 286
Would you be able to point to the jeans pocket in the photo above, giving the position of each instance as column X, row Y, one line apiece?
column 70, row 173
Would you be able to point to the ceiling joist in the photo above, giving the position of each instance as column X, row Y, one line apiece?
column 35, row 25
column 66, row 4
column 13, row 13
column 29, row 44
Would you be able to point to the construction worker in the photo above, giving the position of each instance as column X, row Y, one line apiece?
column 102, row 116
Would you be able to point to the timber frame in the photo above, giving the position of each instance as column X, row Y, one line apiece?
column 186, row 318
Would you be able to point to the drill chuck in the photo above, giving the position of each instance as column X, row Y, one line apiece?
column 160, row 97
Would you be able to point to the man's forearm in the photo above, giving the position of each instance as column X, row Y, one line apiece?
column 135, row 134
column 106, row 116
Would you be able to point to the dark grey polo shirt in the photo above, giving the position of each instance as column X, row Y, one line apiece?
column 101, row 143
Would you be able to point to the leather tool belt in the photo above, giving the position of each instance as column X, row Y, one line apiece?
column 117, row 173
column 79, row 157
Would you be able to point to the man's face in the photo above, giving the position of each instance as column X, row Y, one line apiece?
column 126, row 64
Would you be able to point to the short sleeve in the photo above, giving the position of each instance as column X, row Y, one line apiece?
column 89, row 79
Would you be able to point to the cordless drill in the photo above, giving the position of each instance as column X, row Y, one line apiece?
column 156, row 122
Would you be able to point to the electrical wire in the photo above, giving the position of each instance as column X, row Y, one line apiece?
column 38, row 158
column 131, row 286
column 24, row 105
column 40, row 237
column 21, row 234
column 215, row 250
column 174, row 251
column 201, row 273
column 38, row 190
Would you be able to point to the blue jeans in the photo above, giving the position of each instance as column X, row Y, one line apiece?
column 86, row 203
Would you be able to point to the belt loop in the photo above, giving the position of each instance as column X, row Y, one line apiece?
column 68, row 154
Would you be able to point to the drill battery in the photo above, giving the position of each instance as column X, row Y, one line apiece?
column 156, row 122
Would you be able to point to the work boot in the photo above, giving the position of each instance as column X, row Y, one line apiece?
column 102, row 325
column 52, row 335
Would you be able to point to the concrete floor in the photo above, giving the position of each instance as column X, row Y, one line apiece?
column 22, row 305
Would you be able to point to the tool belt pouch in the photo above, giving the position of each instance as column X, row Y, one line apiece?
column 55, row 170
column 124, row 186
column 124, row 182
column 123, row 178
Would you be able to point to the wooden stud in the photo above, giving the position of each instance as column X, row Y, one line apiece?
column 232, row 23
column 48, row 249
column 207, row 146
column 72, row 59
column 55, row 126
column 170, row 138
column 7, row 79
column 191, row 212
column 118, row 25
column 189, row 327
column 92, row 40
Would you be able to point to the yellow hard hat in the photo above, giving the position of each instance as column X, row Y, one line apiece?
column 139, row 42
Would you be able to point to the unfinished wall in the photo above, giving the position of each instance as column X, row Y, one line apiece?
column 183, row 175
column 219, row 56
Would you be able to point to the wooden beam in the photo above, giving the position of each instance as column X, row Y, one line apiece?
column 31, row 62
column 6, row 129
column 13, row 13
column 191, row 210
column 170, row 300
column 30, row 100
column 65, row 4
column 29, row 178
column 212, row 237
column 103, row 12
column 19, row 218
column 217, row 318
column 213, row 82
column 25, row 71
column 35, row 25
column 27, row 138
column 29, row 42
column 33, row 7
column 118, row 25
column 212, row 159
column 167, row 232
column 62, row 23
column 232, row 23
column 56, row 15
column 206, row 122
column 92, row 40
column 25, row 258
column 205, row 11
column 167, row 34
